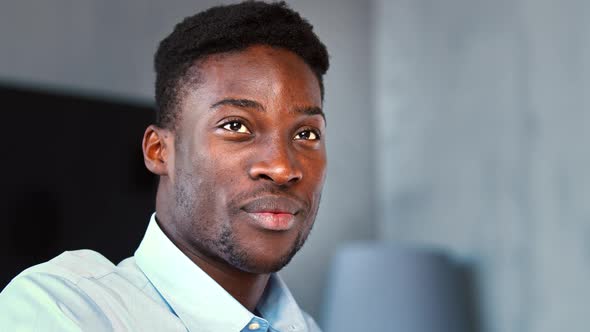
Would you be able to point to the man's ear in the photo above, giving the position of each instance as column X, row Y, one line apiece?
column 156, row 147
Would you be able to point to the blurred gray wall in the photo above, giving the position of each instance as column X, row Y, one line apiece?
column 101, row 47
column 482, row 137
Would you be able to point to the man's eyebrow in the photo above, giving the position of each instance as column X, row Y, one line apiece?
column 311, row 110
column 247, row 103
column 243, row 103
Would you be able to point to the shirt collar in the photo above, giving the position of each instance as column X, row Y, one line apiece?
column 278, row 306
column 200, row 302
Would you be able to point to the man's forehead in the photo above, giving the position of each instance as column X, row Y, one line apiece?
column 259, row 72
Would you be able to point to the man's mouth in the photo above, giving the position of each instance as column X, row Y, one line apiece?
column 273, row 213
column 273, row 221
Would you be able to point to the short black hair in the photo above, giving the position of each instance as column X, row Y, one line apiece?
column 230, row 28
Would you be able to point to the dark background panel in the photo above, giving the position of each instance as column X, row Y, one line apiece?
column 72, row 177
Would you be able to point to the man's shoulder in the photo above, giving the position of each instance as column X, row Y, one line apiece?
column 48, row 295
column 78, row 289
column 73, row 266
column 86, row 268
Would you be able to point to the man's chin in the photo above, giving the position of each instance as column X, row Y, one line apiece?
column 260, row 257
column 260, row 264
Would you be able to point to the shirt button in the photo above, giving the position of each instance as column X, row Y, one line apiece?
column 253, row 326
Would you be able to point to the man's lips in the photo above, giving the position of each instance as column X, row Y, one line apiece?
column 272, row 212
column 273, row 204
column 273, row 221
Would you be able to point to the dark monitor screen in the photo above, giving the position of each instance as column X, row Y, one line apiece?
column 72, row 177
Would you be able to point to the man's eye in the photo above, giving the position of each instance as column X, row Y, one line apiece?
column 236, row 126
column 309, row 135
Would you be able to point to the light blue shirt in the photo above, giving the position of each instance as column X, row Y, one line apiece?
column 159, row 289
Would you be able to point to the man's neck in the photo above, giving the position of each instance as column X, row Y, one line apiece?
column 247, row 288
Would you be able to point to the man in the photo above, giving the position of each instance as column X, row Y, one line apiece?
column 239, row 148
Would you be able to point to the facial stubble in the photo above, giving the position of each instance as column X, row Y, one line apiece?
column 222, row 244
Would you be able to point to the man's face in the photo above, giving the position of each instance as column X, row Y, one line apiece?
column 249, row 159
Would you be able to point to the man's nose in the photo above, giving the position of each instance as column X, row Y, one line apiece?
column 276, row 164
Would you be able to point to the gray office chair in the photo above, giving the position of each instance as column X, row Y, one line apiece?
column 382, row 287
